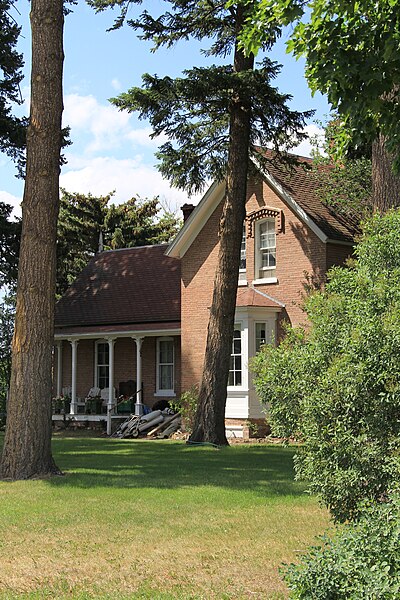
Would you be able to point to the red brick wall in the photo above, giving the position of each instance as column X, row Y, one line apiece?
column 299, row 250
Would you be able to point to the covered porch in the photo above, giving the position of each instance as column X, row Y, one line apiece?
column 117, row 333
column 101, row 374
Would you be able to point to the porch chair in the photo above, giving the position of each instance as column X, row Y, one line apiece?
column 93, row 393
column 104, row 394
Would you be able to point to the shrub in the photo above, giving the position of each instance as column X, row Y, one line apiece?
column 336, row 386
column 360, row 562
column 187, row 406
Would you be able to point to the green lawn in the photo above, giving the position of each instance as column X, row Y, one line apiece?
column 157, row 520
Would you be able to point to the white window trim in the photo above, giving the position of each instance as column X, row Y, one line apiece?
column 159, row 392
column 241, row 271
column 266, row 280
column 240, row 389
column 257, row 261
column 96, row 364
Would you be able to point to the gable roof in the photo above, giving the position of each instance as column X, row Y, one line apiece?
column 121, row 287
column 297, row 187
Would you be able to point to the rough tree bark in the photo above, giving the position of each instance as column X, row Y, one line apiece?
column 209, row 425
column 27, row 444
column 385, row 183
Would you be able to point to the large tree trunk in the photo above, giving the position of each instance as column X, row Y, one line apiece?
column 209, row 423
column 27, row 444
column 385, row 183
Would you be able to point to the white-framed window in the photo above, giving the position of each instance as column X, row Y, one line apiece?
column 235, row 367
column 242, row 267
column 265, row 249
column 165, row 366
column 264, row 334
column 102, row 365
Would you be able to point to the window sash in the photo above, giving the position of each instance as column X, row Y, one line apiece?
column 102, row 365
column 266, row 250
column 264, row 334
column 235, row 366
column 165, row 366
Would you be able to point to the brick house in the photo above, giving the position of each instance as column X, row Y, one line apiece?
column 139, row 316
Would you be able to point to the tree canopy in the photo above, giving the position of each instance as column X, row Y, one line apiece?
column 352, row 56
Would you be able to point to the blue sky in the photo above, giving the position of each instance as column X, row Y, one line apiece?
column 112, row 150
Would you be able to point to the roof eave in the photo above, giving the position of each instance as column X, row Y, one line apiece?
column 196, row 221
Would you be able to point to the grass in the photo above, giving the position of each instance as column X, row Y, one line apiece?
column 155, row 520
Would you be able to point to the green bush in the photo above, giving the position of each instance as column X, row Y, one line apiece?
column 187, row 406
column 360, row 562
column 336, row 386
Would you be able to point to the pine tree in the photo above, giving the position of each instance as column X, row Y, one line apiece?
column 12, row 129
column 212, row 116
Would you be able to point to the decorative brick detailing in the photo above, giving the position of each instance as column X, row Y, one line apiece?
column 265, row 213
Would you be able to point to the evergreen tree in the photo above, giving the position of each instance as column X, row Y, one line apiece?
column 83, row 217
column 12, row 129
column 10, row 234
column 212, row 117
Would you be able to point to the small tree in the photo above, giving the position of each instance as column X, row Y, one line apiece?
column 336, row 386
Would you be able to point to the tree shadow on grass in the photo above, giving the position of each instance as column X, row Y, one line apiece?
column 94, row 462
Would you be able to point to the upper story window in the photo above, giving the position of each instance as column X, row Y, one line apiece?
column 265, row 249
column 165, row 366
column 235, row 368
column 102, row 365
column 242, row 267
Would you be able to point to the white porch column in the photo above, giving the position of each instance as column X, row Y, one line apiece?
column 59, row 368
column 110, row 405
column 139, row 392
column 74, row 349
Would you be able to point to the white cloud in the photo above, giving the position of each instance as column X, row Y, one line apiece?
column 128, row 177
column 15, row 202
column 142, row 137
column 116, row 84
column 305, row 147
column 103, row 128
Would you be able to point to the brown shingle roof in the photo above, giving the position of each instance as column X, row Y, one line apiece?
column 301, row 183
column 252, row 297
column 120, row 287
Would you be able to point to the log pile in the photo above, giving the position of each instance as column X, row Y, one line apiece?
column 160, row 423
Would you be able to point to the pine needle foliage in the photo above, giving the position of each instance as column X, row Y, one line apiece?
column 12, row 129
column 193, row 111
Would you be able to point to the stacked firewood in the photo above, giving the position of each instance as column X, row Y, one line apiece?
column 160, row 423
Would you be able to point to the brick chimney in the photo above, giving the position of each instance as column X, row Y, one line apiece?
column 187, row 210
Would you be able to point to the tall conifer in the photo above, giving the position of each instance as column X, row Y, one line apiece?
column 212, row 117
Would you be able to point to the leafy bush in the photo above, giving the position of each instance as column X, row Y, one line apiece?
column 336, row 386
column 187, row 406
column 361, row 561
